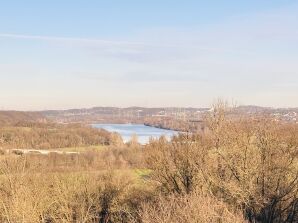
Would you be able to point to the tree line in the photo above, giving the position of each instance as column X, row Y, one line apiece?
column 29, row 135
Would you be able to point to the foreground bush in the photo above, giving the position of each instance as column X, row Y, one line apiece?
column 188, row 209
column 250, row 165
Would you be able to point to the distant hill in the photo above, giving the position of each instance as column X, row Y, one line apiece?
column 137, row 114
column 15, row 117
column 142, row 114
column 120, row 115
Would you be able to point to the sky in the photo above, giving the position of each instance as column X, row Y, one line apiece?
column 62, row 54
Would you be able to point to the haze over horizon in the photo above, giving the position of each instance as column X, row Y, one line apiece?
column 75, row 54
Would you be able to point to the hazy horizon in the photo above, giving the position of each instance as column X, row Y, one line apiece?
column 63, row 55
column 124, row 107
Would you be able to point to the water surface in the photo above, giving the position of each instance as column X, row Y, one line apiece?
column 143, row 132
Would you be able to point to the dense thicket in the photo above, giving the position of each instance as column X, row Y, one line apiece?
column 250, row 165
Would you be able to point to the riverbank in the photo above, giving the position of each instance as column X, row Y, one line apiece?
column 160, row 126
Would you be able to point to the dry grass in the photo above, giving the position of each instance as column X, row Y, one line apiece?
column 29, row 196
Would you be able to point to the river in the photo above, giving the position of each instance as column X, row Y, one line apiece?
column 143, row 132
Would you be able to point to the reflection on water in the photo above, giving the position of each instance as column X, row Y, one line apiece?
column 143, row 132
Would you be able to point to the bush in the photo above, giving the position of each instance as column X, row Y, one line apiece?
column 188, row 209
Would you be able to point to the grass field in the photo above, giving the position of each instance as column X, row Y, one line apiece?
column 83, row 148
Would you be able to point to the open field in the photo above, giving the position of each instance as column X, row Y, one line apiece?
column 83, row 148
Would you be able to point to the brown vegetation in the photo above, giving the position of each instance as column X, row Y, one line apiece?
column 30, row 135
column 189, row 208
column 15, row 117
column 243, row 170
column 250, row 165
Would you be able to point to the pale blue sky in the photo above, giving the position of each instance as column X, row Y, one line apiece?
column 74, row 53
